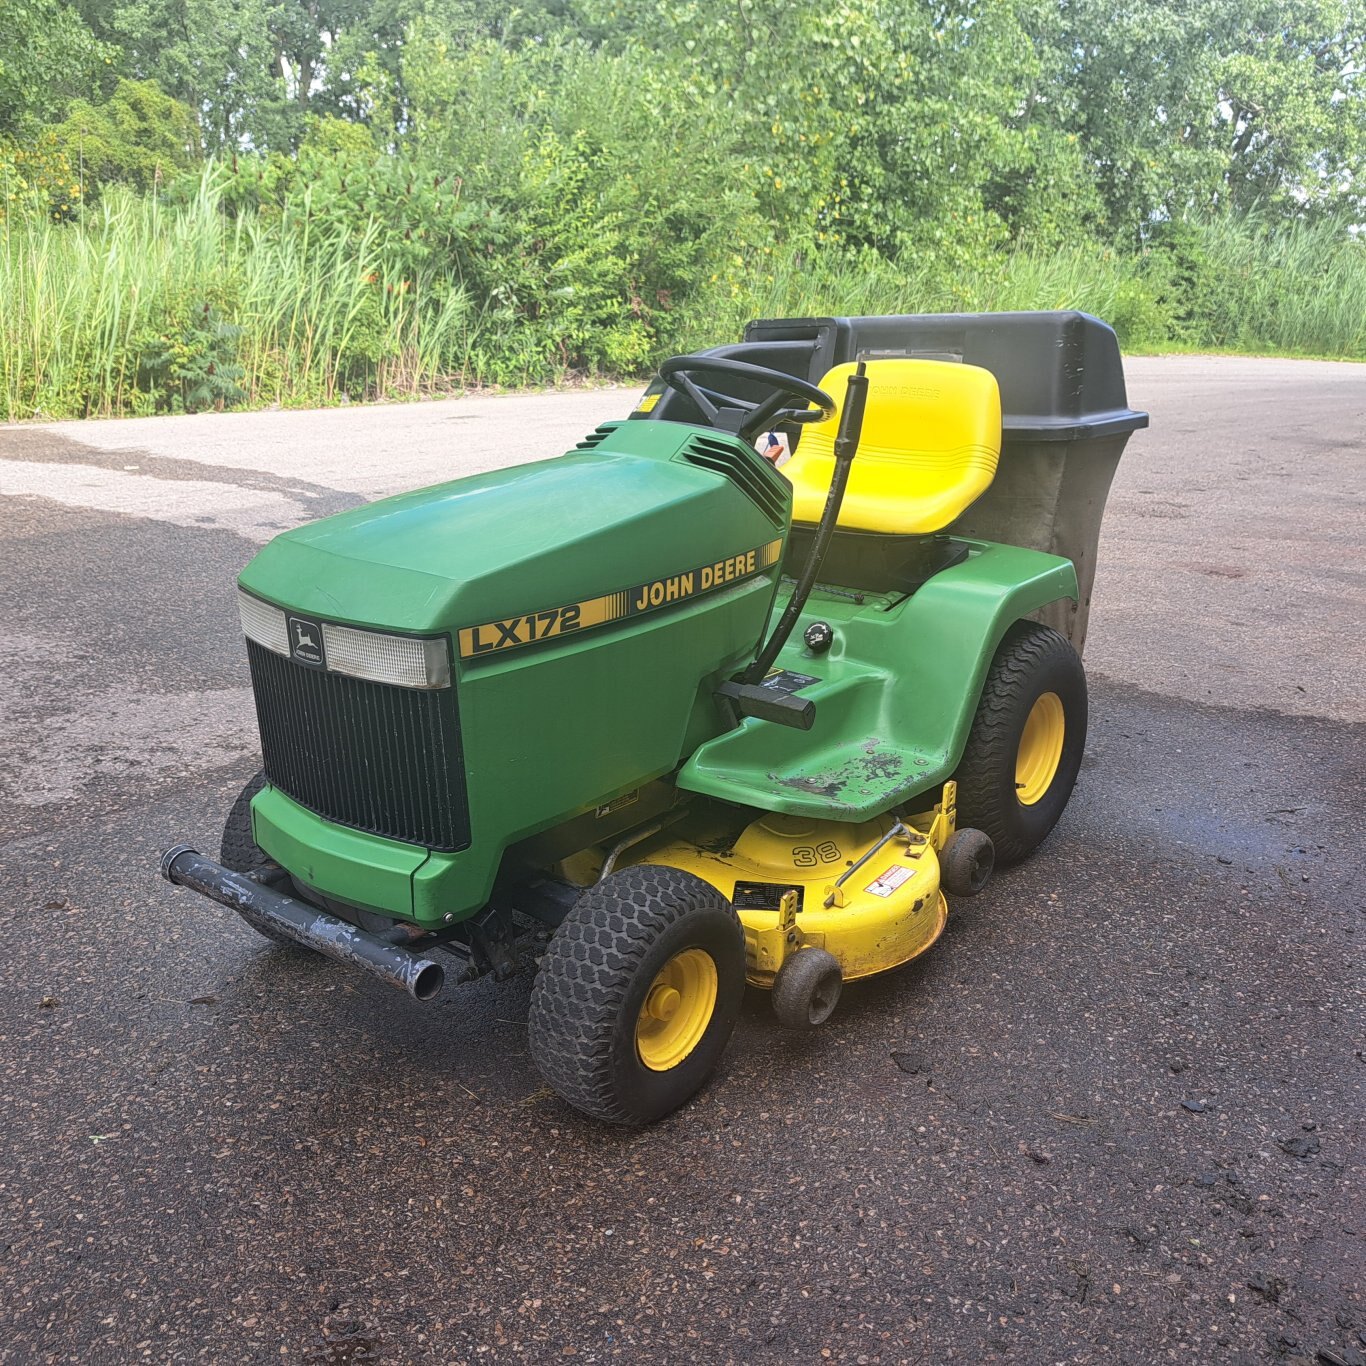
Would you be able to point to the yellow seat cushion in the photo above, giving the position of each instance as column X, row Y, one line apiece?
column 931, row 439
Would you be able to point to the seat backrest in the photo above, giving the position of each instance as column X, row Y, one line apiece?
column 930, row 442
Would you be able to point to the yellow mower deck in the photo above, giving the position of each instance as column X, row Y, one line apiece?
column 867, row 893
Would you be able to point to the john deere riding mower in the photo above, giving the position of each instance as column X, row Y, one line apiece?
column 669, row 719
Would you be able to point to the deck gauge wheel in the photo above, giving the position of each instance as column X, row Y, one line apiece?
column 966, row 862
column 807, row 988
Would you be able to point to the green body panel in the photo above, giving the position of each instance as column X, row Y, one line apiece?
column 896, row 693
column 365, row 870
column 551, row 729
column 379, row 871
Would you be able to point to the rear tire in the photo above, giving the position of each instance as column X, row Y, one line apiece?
column 637, row 994
column 240, row 852
column 1024, row 751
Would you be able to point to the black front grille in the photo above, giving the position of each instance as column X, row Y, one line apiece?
column 372, row 756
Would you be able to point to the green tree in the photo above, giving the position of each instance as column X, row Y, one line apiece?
column 366, row 59
column 1208, row 104
column 47, row 56
column 876, row 124
column 138, row 136
column 215, row 58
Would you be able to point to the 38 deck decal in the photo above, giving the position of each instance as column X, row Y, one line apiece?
column 511, row 632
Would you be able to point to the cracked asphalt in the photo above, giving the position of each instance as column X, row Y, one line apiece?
column 1116, row 1115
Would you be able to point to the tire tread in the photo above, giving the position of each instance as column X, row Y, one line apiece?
column 588, row 971
column 240, row 852
column 985, row 802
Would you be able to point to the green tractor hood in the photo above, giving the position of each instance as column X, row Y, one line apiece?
column 513, row 541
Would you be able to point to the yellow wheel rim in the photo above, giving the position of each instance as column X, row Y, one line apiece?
column 1040, row 752
column 678, row 1008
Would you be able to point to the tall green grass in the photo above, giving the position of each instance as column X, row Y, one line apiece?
column 1298, row 288
column 315, row 312
column 1230, row 284
column 145, row 308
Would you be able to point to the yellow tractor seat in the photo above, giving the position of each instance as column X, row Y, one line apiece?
column 931, row 439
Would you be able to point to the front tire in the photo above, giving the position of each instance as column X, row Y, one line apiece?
column 1024, row 751
column 637, row 994
column 240, row 852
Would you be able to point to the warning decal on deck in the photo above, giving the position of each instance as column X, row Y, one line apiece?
column 887, row 883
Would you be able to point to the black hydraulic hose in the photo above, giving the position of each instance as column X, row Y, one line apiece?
column 846, row 443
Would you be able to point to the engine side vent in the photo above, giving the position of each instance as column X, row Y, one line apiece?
column 595, row 438
column 765, row 488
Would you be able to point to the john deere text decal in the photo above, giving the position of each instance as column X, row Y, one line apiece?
column 646, row 597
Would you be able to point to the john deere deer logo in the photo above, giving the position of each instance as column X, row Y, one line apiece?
column 305, row 641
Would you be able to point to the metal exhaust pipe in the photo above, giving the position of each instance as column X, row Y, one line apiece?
column 421, row 978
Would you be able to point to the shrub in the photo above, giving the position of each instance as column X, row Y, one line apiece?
column 190, row 364
column 139, row 136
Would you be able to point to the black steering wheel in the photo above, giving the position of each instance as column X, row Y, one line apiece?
column 728, row 413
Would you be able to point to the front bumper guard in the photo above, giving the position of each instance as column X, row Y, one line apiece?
column 419, row 977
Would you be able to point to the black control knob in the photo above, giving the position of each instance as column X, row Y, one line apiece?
column 819, row 637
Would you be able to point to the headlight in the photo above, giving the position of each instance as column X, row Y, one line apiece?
column 407, row 661
column 263, row 623
column 404, row 661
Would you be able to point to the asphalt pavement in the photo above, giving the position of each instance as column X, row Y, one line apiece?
column 1116, row 1115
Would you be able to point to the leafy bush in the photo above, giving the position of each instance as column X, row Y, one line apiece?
column 189, row 365
column 138, row 137
column 594, row 193
column 37, row 179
